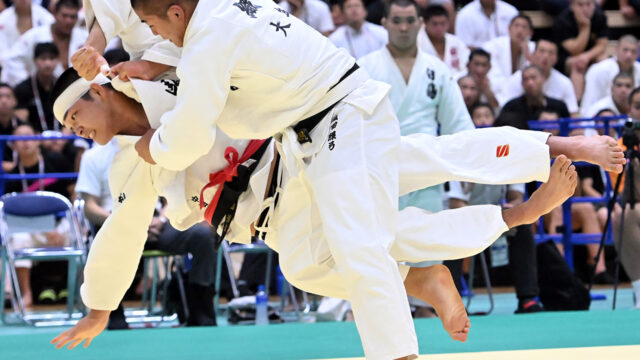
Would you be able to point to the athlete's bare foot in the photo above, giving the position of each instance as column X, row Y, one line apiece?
column 435, row 286
column 561, row 185
column 601, row 150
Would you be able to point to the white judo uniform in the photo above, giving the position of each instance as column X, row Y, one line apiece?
column 9, row 33
column 18, row 63
column 456, row 53
column 430, row 103
column 255, row 71
column 116, row 18
column 305, row 256
column 501, row 61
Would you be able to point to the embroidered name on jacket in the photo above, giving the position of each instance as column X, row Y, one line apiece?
column 332, row 133
column 121, row 198
column 247, row 7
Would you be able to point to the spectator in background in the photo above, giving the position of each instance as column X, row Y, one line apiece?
column 599, row 77
column 470, row 92
column 18, row 19
column 18, row 63
column 434, row 39
column 520, row 110
column 618, row 101
column 482, row 20
column 581, row 35
column 31, row 160
column 513, row 52
column 630, row 8
column 630, row 237
column 556, row 85
column 482, row 115
column 314, row 13
column 35, row 105
column 358, row 36
column 8, row 123
column 336, row 12
column 479, row 66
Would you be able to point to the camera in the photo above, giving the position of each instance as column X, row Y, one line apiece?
column 629, row 136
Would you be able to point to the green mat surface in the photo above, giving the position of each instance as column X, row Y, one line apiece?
column 330, row 340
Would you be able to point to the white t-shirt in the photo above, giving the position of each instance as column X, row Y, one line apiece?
column 456, row 53
column 602, row 104
column 315, row 13
column 475, row 28
column 501, row 65
column 93, row 177
column 371, row 37
column 9, row 33
column 599, row 78
column 557, row 86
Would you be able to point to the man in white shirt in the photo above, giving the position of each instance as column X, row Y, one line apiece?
column 600, row 75
column 482, row 20
column 556, row 85
column 17, row 19
column 315, row 13
column 434, row 39
column 511, row 53
column 618, row 101
column 18, row 62
column 358, row 36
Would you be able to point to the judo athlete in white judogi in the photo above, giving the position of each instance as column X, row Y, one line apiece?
column 424, row 95
column 10, row 18
column 135, row 185
column 349, row 165
column 18, row 63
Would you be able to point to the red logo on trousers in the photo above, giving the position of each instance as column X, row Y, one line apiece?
column 502, row 151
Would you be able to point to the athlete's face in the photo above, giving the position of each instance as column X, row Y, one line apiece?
column 89, row 117
column 171, row 27
column 403, row 24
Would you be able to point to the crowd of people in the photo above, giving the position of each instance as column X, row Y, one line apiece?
column 452, row 66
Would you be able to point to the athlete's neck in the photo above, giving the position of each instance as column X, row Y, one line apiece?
column 397, row 53
column 131, row 118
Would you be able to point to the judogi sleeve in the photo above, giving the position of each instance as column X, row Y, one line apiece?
column 116, row 250
column 115, row 19
column 189, row 130
column 453, row 116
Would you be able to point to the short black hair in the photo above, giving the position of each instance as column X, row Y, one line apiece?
column 480, row 105
column 624, row 75
column 5, row 85
column 479, row 52
column 634, row 92
column 73, row 4
column 433, row 11
column 524, row 17
column 157, row 7
column 46, row 48
column 400, row 3
column 532, row 66
column 116, row 56
column 341, row 3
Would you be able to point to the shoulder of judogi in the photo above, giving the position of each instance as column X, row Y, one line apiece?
column 434, row 63
column 127, row 168
column 113, row 16
column 374, row 60
column 377, row 30
column 505, row 9
column 338, row 36
column 558, row 78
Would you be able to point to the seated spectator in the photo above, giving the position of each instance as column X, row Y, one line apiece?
column 556, row 85
column 434, row 39
column 630, row 8
column 581, row 35
column 35, row 105
column 470, row 92
column 8, row 123
column 336, row 12
column 17, row 19
column 482, row 20
column 32, row 160
column 520, row 110
column 18, row 62
column 618, row 101
column 478, row 67
column 358, row 36
column 314, row 13
column 482, row 115
column 599, row 77
column 630, row 237
column 199, row 240
column 513, row 52
column 521, row 244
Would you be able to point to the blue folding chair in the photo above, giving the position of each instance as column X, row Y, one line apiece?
column 38, row 212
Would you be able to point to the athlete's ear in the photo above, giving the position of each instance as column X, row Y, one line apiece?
column 98, row 89
column 175, row 12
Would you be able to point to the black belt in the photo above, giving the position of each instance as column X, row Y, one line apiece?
column 304, row 127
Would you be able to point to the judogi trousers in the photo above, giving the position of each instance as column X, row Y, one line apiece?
column 336, row 226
